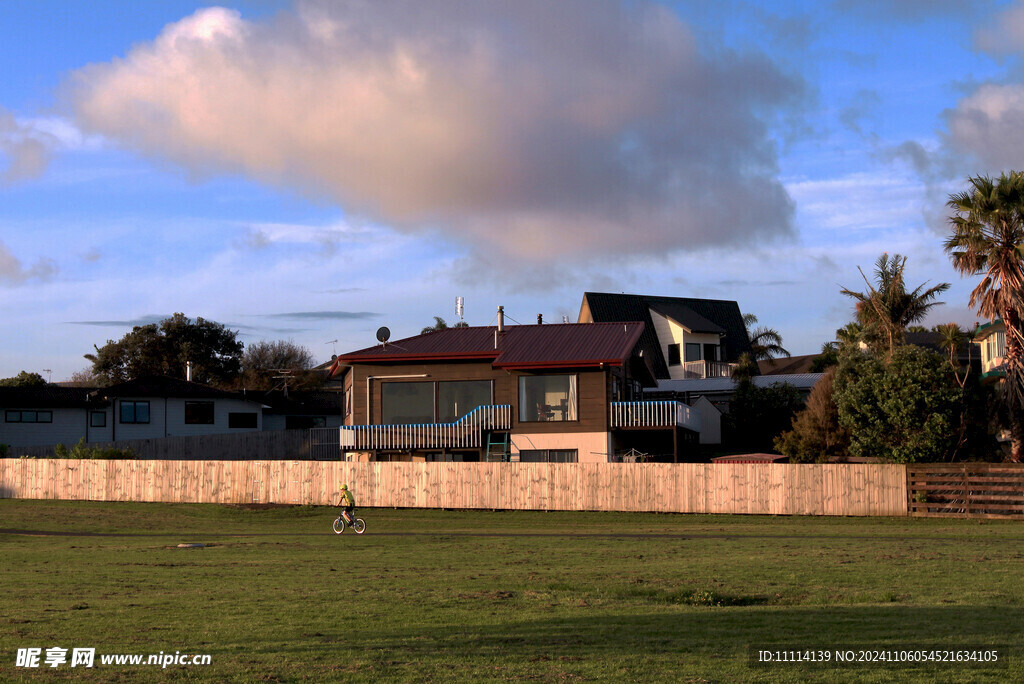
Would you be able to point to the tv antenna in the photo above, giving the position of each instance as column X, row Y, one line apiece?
column 334, row 349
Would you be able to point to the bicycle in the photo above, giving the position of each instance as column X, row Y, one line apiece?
column 357, row 525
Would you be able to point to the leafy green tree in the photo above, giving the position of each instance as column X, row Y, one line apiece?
column 269, row 365
column 903, row 409
column 165, row 349
column 23, row 379
column 988, row 240
column 886, row 309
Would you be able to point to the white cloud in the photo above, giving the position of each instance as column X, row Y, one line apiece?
column 535, row 131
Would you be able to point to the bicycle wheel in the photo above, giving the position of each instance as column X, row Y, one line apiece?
column 339, row 525
column 358, row 526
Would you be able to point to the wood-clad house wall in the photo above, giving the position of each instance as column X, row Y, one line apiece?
column 592, row 390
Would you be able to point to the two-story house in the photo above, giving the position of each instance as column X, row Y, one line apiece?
column 991, row 338
column 684, row 338
column 554, row 393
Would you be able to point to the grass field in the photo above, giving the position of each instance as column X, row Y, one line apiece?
column 500, row 596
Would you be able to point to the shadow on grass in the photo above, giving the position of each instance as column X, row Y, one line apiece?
column 710, row 632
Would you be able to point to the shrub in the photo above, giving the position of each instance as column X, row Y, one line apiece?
column 82, row 450
column 816, row 436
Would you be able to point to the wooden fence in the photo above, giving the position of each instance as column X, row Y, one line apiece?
column 966, row 490
column 751, row 488
column 264, row 445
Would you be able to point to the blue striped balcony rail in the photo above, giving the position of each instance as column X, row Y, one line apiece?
column 465, row 433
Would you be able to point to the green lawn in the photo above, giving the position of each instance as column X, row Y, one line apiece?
column 496, row 596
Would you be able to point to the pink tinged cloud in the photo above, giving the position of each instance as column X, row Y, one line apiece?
column 526, row 129
column 14, row 272
column 24, row 150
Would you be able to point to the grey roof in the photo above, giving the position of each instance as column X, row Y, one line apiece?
column 803, row 381
column 726, row 315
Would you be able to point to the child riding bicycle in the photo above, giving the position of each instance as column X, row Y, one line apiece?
column 349, row 503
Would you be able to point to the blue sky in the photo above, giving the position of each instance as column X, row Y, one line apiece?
column 314, row 170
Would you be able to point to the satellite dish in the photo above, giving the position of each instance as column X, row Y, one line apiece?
column 383, row 334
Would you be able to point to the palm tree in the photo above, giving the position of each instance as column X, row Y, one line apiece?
column 886, row 309
column 441, row 324
column 765, row 343
column 951, row 338
column 988, row 240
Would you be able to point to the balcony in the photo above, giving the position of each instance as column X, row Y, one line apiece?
column 465, row 433
column 699, row 370
column 653, row 414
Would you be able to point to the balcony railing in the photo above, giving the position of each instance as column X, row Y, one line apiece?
column 663, row 414
column 698, row 370
column 465, row 433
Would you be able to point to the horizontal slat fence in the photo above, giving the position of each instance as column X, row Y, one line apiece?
column 263, row 445
column 966, row 490
column 750, row 488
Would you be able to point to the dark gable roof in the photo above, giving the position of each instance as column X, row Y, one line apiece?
column 46, row 396
column 687, row 317
column 163, row 386
column 519, row 347
column 629, row 307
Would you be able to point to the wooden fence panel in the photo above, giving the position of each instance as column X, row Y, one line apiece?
column 966, row 490
column 744, row 488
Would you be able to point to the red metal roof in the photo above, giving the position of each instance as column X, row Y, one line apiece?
column 519, row 347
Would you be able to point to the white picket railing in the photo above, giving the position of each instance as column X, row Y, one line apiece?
column 627, row 414
column 699, row 370
column 465, row 433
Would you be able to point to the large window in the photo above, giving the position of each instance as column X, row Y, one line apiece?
column 548, row 456
column 199, row 413
column 241, row 420
column 456, row 399
column 29, row 416
column 98, row 419
column 692, row 351
column 407, row 402
column 545, row 398
column 673, row 355
column 432, row 402
column 134, row 411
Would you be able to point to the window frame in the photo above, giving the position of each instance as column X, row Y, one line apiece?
column 675, row 354
column 207, row 412
column 572, row 409
column 135, row 404
column 572, row 454
column 235, row 416
column 21, row 416
column 92, row 419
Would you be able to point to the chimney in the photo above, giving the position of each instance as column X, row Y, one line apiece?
column 501, row 319
column 540, row 319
